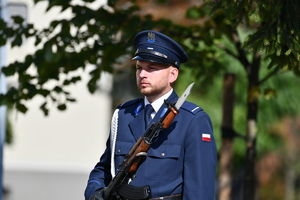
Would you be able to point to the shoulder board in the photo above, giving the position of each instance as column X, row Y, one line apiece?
column 129, row 103
column 191, row 107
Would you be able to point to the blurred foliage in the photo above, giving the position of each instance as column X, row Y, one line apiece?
column 86, row 39
column 9, row 127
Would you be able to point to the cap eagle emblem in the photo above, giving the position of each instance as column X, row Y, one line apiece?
column 151, row 37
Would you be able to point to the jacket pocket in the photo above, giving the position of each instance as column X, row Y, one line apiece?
column 121, row 150
column 163, row 162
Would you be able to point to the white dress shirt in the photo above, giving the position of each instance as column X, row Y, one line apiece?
column 157, row 103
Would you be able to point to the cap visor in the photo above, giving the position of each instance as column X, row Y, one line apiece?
column 151, row 59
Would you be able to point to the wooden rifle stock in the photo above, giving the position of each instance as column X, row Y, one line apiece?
column 169, row 118
column 137, row 154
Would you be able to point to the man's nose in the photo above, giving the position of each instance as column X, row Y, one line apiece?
column 143, row 73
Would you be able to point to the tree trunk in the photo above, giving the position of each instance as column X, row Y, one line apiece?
column 227, row 138
column 250, row 176
column 249, row 192
column 291, row 133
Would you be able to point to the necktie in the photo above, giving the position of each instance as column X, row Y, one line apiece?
column 148, row 110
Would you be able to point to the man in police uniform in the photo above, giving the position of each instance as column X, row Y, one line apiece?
column 181, row 163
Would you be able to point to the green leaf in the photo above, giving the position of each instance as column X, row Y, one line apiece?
column 48, row 53
column 288, row 52
column 62, row 107
column 2, row 40
column 38, row 40
column 8, row 71
column 57, row 89
column 44, row 108
column 72, row 80
column 192, row 13
column 44, row 92
column 17, row 41
column 269, row 92
column 21, row 107
column 18, row 19
column 2, row 97
column 71, row 99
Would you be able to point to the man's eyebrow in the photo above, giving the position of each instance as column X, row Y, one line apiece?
column 154, row 65
column 149, row 65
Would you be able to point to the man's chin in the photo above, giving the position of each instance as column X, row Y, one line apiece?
column 145, row 91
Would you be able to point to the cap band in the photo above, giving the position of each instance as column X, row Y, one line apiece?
column 156, row 54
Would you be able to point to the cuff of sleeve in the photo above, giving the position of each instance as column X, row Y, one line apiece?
column 92, row 186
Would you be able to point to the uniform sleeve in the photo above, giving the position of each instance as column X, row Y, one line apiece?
column 100, row 176
column 200, row 159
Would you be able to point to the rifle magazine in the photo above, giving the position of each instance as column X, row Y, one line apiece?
column 134, row 193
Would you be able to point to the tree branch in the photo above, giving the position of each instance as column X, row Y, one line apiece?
column 269, row 75
column 241, row 54
column 226, row 50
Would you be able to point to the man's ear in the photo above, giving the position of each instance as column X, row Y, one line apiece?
column 173, row 74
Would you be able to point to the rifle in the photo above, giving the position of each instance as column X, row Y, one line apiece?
column 119, row 188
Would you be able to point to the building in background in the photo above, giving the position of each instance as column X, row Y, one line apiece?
column 51, row 157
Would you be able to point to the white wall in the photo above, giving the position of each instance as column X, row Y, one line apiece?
column 73, row 138
column 51, row 157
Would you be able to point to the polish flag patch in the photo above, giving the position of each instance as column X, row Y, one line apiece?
column 205, row 137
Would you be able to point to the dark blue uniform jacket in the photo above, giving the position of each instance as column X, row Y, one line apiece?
column 181, row 160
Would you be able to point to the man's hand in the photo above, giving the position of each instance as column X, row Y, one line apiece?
column 97, row 195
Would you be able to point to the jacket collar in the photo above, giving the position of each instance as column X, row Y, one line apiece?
column 137, row 124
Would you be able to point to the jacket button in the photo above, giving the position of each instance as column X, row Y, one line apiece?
column 119, row 151
column 162, row 154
